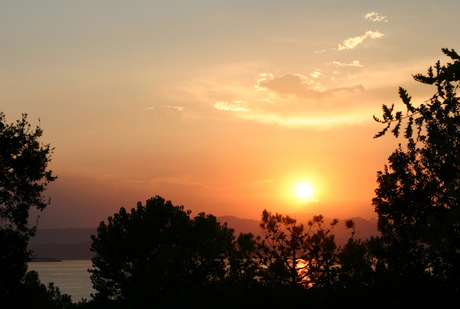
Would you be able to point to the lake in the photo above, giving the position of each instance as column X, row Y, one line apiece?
column 71, row 276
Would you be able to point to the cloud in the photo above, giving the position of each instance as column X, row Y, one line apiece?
column 298, row 85
column 104, row 177
column 373, row 16
column 236, row 106
column 315, row 74
column 353, row 42
column 354, row 88
column 179, row 108
column 258, row 183
column 295, row 99
column 320, row 51
column 289, row 84
column 340, row 64
column 325, row 120
column 179, row 180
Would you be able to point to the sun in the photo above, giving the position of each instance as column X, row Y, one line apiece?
column 305, row 191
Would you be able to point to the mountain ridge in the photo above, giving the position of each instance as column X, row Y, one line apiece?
column 75, row 243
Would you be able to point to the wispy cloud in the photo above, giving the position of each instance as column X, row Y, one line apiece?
column 340, row 64
column 180, row 180
column 296, row 100
column 179, row 108
column 289, row 84
column 236, row 106
column 105, row 177
column 315, row 74
column 259, row 183
column 298, row 85
column 320, row 51
column 353, row 42
column 373, row 16
column 325, row 120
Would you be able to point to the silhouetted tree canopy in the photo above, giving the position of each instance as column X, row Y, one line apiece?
column 158, row 254
column 23, row 178
column 295, row 253
column 36, row 295
column 418, row 194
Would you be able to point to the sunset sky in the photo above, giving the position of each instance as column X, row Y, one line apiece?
column 220, row 106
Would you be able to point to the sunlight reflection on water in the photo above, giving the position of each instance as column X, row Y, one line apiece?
column 71, row 276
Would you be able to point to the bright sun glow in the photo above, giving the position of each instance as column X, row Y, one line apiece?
column 305, row 191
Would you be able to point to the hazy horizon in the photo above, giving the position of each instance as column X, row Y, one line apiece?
column 223, row 107
column 305, row 217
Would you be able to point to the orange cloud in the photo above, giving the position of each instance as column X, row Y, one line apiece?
column 353, row 64
column 289, row 84
column 353, row 42
column 298, row 85
column 237, row 106
column 373, row 16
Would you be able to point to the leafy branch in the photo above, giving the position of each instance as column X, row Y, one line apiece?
column 442, row 77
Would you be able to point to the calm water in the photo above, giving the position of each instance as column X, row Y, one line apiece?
column 72, row 277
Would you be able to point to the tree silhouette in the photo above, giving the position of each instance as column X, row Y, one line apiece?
column 296, row 254
column 158, row 254
column 23, row 178
column 418, row 194
column 37, row 295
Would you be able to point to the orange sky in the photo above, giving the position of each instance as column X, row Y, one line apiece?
column 221, row 107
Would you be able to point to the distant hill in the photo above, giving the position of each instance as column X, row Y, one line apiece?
column 62, row 244
column 75, row 243
column 242, row 225
column 62, row 236
column 80, row 251
column 364, row 228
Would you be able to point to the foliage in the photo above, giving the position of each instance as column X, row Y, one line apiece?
column 356, row 265
column 439, row 115
column 23, row 178
column 296, row 254
column 37, row 295
column 418, row 194
column 295, row 264
column 157, row 254
column 155, row 251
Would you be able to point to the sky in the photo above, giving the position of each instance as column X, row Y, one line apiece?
column 224, row 107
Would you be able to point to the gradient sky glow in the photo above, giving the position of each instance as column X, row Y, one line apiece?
column 221, row 106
